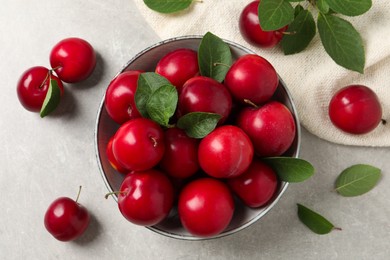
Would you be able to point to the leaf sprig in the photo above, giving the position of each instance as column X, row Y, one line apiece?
column 340, row 39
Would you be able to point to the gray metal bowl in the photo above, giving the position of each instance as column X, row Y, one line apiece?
column 146, row 60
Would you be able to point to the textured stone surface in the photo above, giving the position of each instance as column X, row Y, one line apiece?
column 43, row 159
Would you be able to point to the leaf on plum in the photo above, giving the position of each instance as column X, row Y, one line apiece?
column 275, row 14
column 161, row 105
column 198, row 124
column 302, row 31
column 52, row 99
column 148, row 83
column 214, row 57
column 290, row 169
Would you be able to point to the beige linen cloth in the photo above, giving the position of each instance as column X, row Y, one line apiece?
column 311, row 76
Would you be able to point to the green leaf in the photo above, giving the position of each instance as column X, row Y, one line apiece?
column 162, row 104
column 350, row 7
column 275, row 14
column 52, row 99
column 357, row 180
column 167, row 6
column 314, row 221
column 322, row 6
column 290, row 169
column 297, row 10
column 147, row 84
column 214, row 57
column 198, row 124
column 302, row 29
column 342, row 42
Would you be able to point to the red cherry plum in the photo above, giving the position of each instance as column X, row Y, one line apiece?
column 355, row 109
column 33, row 85
column 270, row 127
column 205, row 207
column 139, row 144
column 251, row 77
column 73, row 59
column 226, row 152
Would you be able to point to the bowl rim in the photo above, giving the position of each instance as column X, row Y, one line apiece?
column 244, row 225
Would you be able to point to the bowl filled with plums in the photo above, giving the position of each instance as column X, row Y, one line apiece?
column 185, row 134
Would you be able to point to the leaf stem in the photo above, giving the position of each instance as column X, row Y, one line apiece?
column 289, row 33
column 337, row 228
column 219, row 63
column 312, row 2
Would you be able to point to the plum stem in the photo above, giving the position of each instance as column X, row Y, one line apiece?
column 154, row 140
column 384, row 122
column 56, row 68
column 114, row 193
column 78, row 194
column 250, row 103
column 46, row 78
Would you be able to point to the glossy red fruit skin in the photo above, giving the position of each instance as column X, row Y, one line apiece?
column 180, row 158
column 119, row 99
column 355, row 109
column 251, row 30
column 226, row 152
column 66, row 219
column 178, row 66
column 31, row 92
column 145, row 198
column 256, row 186
column 253, row 78
column 138, row 144
column 73, row 59
column 111, row 158
column 205, row 207
column 203, row 94
column 270, row 127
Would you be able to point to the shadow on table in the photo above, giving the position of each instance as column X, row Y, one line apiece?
column 95, row 78
column 91, row 234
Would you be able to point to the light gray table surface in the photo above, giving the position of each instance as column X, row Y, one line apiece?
column 43, row 159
